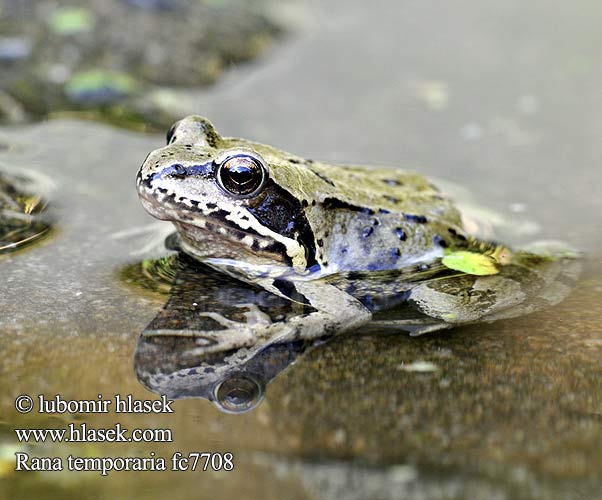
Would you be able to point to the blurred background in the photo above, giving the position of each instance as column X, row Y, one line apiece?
column 502, row 99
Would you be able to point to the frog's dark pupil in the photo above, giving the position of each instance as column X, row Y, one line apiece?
column 241, row 175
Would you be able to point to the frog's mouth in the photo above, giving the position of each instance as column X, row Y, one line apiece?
column 215, row 235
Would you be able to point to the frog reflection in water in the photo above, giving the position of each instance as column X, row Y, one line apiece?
column 346, row 242
column 179, row 366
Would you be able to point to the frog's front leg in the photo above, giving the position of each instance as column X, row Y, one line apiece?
column 221, row 323
column 336, row 310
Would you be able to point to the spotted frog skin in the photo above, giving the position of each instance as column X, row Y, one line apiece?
column 344, row 242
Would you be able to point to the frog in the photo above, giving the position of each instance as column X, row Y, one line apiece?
column 351, row 245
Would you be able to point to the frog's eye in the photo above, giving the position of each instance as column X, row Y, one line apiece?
column 241, row 174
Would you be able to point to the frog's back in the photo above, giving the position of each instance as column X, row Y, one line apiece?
column 400, row 221
column 364, row 218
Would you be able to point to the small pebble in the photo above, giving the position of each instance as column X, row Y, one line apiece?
column 419, row 367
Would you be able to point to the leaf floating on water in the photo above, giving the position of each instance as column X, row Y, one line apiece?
column 470, row 262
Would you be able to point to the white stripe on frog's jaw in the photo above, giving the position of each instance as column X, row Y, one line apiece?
column 201, row 221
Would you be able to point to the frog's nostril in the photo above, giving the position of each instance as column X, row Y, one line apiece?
column 178, row 171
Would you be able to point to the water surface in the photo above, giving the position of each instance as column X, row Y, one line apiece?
column 503, row 100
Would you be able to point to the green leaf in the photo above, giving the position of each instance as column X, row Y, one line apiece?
column 470, row 262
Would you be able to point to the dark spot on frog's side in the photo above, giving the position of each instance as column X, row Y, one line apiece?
column 455, row 233
column 400, row 234
column 335, row 203
column 438, row 240
column 367, row 231
column 420, row 219
column 392, row 182
column 320, row 242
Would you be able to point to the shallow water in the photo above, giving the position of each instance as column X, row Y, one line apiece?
column 503, row 100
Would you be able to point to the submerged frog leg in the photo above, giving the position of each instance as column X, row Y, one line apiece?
column 336, row 310
column 530, row 283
